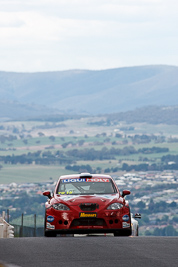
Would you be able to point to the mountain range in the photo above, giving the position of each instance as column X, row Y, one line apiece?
column 89, row 92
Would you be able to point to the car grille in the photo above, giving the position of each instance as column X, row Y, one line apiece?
column 88, row 206
column 88, row 222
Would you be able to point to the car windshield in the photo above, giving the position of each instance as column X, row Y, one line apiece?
column 85, row 186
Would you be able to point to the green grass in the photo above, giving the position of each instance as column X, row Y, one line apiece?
column 30, row 173
column 103, row 164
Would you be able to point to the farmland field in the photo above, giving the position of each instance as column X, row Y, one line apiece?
column 30, row 173
column 25, row 138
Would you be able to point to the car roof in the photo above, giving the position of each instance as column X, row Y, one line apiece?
column 84, row 175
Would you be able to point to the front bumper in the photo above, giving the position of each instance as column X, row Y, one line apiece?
column 70, row 222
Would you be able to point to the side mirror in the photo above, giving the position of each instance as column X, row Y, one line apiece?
column 137, row 216
column 125, row 192
column 47, row 194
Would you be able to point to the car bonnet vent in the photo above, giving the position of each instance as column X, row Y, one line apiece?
column 89, row 206
column 85, row 175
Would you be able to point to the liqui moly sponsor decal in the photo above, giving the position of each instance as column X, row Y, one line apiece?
column 100, row 180
column 50, row 218
column 79, row 180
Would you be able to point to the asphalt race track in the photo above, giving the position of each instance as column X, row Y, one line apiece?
column 89, row 251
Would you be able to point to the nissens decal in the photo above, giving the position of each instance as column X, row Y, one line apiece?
column 126, row 218
column 50, row 218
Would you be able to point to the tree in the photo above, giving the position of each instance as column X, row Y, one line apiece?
column 148, row 233
column 41, row 134
column 141, row 205
column 81, row 142
column 169, row 231
column 52, row 138
column 151, row 205
column 173, row 204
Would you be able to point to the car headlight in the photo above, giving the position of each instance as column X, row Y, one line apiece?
column 115, row 206
column 60, row 206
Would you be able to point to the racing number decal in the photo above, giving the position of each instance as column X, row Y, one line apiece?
column 65, row 193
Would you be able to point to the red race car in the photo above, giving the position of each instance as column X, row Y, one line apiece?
column 87, row 203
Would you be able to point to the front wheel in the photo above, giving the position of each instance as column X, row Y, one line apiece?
column 49, row 234
column 127, row 232
column 137, row 234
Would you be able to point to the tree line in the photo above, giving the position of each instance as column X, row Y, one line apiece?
column 149, row 114
column 70, row 156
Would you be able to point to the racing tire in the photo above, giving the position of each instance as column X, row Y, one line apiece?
column 45, row 224
column 49, row 234
column 123, row 233
column 137, row 233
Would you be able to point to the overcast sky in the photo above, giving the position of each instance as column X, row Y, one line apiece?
column 49, row 35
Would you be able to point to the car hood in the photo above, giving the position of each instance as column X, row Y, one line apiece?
column 102, row 200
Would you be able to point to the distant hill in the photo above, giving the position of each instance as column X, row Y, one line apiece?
column 13, row 110
column 150, row 114
column 88, row 92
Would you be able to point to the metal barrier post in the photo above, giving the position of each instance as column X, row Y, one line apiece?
column 34, row 225
column 1, row 230
column 8, row 215
column 21, row 229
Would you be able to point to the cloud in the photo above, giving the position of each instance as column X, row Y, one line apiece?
column 10, row 23
column 65, row 34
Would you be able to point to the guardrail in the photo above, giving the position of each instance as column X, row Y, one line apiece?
column 26, row 226
column 26, row 231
